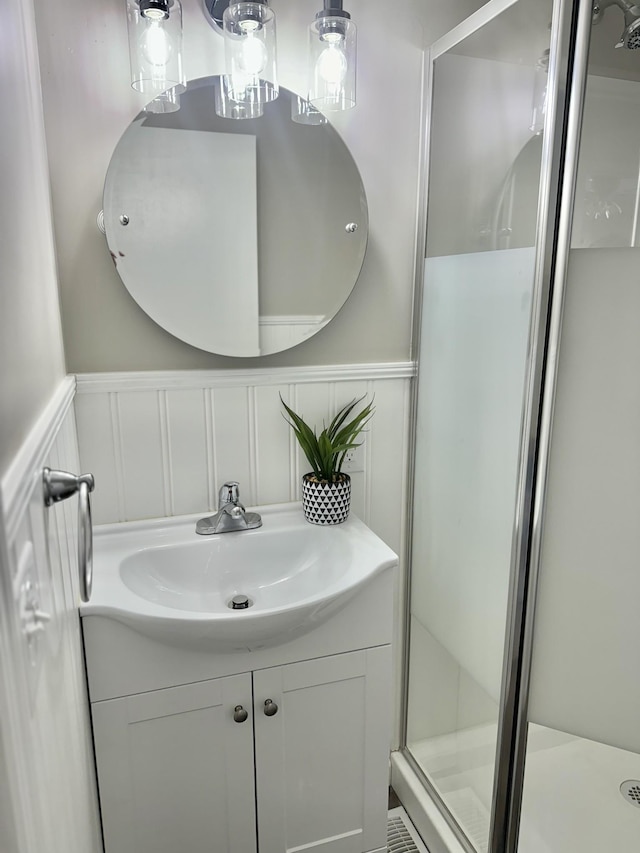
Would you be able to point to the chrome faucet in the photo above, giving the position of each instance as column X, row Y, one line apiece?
column 231, row 514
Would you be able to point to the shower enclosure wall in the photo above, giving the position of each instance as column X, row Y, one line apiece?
column 522, row 685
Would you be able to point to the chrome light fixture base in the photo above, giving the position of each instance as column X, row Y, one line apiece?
column 214, row 11
column 154, row 10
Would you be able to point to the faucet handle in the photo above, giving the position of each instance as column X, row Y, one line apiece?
column 229, row 493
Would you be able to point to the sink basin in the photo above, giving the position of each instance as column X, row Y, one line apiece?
column 162, row 579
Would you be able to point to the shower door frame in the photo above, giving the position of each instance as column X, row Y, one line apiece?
column 569, row 51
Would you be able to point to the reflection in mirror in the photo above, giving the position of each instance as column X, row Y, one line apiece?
column 241, row 238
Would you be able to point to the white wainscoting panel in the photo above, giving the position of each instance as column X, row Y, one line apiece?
column 159, row 446
column 44, row 722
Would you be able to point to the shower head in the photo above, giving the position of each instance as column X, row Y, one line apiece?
column 630, row 37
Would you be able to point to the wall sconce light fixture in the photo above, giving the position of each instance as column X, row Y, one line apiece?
column 155, row 51
column 332, row 59
column 250, row 52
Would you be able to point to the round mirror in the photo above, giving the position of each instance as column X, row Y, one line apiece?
column 241, row 238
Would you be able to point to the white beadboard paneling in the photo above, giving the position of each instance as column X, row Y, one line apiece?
column 44, row 723
column 22, row 533
column 166, row 450
column 58, row 558
column 253, row 440
column 139, row 420
column 16, row 483
column 67, row 515
column 359, row 495
column 341, row 394
column 313, row 402
column 96, row 445
column 187, row 448
column 232, row 435
column 272, row 445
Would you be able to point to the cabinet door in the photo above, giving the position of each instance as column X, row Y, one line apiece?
column 322, row 760
column 175, row 770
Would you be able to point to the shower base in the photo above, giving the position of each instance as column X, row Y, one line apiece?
column 572, row 801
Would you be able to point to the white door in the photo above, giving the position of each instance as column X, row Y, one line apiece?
column 322, row 758
column 175, row 770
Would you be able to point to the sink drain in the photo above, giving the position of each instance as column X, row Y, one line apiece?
column 239, row 602
column 630, row 790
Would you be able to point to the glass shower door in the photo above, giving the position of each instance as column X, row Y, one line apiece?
column 488, row 106
column 582, row 771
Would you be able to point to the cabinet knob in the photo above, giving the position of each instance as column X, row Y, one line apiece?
column 240, row 714
column 270, row 708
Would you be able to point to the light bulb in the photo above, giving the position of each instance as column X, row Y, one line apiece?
column 253, row 54
column 332, row 60
column 156, row 44
column 250, row 53
column 332, row 65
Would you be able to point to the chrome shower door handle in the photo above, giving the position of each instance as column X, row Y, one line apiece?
column 60, row 485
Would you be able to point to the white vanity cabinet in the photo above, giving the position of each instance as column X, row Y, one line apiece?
column 177, row 772
column 322, row 759
column 189, row 757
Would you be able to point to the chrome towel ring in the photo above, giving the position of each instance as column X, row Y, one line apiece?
column 60, row 485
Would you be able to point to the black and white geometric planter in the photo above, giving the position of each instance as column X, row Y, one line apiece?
column 324, row 502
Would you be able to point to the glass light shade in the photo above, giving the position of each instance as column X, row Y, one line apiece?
column 166, row 102
column 539, row 105
column 332, row 63
column 250, row 52
column 226, row 107
column 155, row 50
column 303, row 112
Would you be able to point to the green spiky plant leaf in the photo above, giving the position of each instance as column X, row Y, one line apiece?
column 326, row 452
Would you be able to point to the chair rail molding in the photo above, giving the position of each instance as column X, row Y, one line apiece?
column 95, row 383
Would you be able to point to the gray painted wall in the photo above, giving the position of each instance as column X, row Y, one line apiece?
column 31, row 356
column 89, row 102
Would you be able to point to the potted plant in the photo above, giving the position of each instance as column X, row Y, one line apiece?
column 326, row 490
